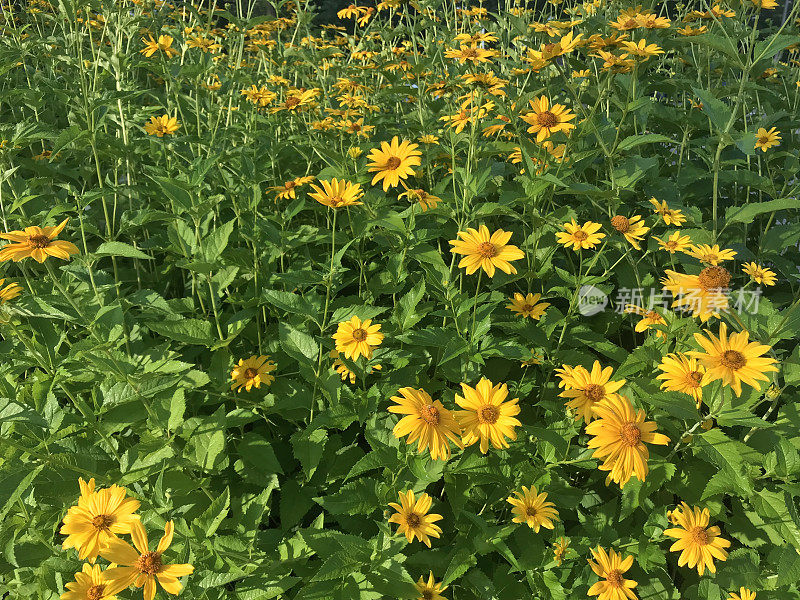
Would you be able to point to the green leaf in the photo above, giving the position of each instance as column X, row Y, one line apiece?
column 216, row 241
column 647, row 138
column 291, row 303
column 748, row 212
column 298, row 344
column 188, row 331
column 773, row 507
column 214, row 515
column 308, row 448
column 121, row 249
column 717, row 110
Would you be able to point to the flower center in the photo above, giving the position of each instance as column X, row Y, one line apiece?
column 95, row 592
column 699, row 536
column 39, row 241
column 671, row 245
column 527, row 308
column 614, row 578
column 430, row 414
column 292, row 102
column 427, row 595
column 413, row 520
column 630, row 434
column 250, row 373
column 763, row 139
column 531, row 511
column 714, row 278
column 693, row 378
column 149, row 563
column 547, row 119
column 102, row 522
column 336, row 201
column 733, row 359
column 289, row 185
column 359, row 334
column 469, row 52
column 620, row 223
column 580, row 235
column 595, row 392
column 393, row 162
column 630, row 24
column 488, row 414
column 487, row 250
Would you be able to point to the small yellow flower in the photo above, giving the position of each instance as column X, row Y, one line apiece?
column 761, row 275
column 711, row 255
column 670, row 216
column 252, row 372
column 90, row 584
column 9, row 292
column 413, row 517
column 633, row 229
column 482, row 250
column 560, row 549
column 698, row 543
column 37, row 243
column 161, row 126
column 584, row 236
column 611, row 567
column 163, row 44
column 744, row 593
column 336, row 193
column 531, row 508
column 393, row 162
column 545, row 120
column 675, row 243
column 487, row 416
column 528, row 306
column 355, row 338
column 767, row 139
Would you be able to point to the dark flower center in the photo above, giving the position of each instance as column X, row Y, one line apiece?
column 250, row 373
column 580, row 235
column 547, row 119
column 614, row 578
column 527, row 308
column 489, row 414
column 595, row 392
column 630, row 434
column 102, row 522
column 698, row 535
column 359, row 334
column 487, row 250
column 430, row 414
column 95, row 592
column 531, row 511
column 694, row 378
column 714, row 278
column 149, row 563
column 393, row 162
column 469, row 52
column 733, row 359
column 620, row 223
column 292, row 102
column 427, row 595
column 39, row 241
column 413, row 520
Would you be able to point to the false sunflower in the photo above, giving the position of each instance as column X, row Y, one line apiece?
column 426, row 420
column 162, row 44
column 430, row 590
column 532, row 508
column 649, row 318
column 767, row 139
column 744, row 594
column 761, row 275
column 487, row 251
column 698, row 543
column 611, row 567
column 633, row 229
column 487, row 417
column 355, row 338
column 161, row 126
column 584, row 236
column 252, row 372
column 337, row 193
column 682, row 373
column 90, row 584
column 674, row 243
column 9, row 292
column 38, row 243
column 712, row 255
column 669, row 215
column 413, row 518
column 704, row 294
column 393, row 161
column 528, row 306
column 545, row 120
column 585, row 389
column 289, row 188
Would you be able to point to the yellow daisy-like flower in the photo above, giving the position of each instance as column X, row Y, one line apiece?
column 97, row 518
column 545, row 120
column 289, row 188
column 428, row 139
column 733, row 359
column 296, row 100
column 430, row 590
column 90, row 584
column 704, row 294
column 355, row 338
column 633, row 229
column 649, row 318
column 9, row 292
column 426, row 200
column 682, row 373
column 413, row 519
column 426, row 420
column 670, row 216
column 642, row 49
column 761, row 275
column 585, row 236
column 744, row 594
column 674, row 243
column 620, row 433
column 560, row 550
column 767, row 139
column 337, row 193
column 712, row 255
column 528, row 306
column 698, row 543
column 471, row 53
column 487, row 416
column 141, row 566
column 259, row 96
column 610, row 567
column 393, row 162
column 203, row 43
column 487, row 251
column 531, row 508
column 161, row 126
column 344, row 371
column 252, row 372
column 585, row 389
column 163, row 44
column 38, row 243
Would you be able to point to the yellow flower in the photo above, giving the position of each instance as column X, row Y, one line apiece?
column 90, row 584
column 161, row 126
column 252, row 372
column 203, row 43
column 413, row 519
column 545, row 120
column 560, row 549
column 649, row 318
column 97, row 518
column 756, row 273
column 296, row 100
column 550, row 51
column 531, row 508
column 289, row 188
column 471, row 53
column 354, row 338
column 487, row 251
column 580, row 236
column 767, row 139
column 733, row 359
column 337, row 193
column 689, row 31
column 426, row 420
column 426, row 200
column 487, row 416
column 712, row 255
column 619, row 435
column 698, row 543
column 744, row 593
column 430, row 590
column 528, row 306
column 642, row 49
column 9, row 292
column 429, row 139
column 682, row 373
column 393, row 162
column 633, row 229
column 259, row 96
column 670, row 216
column 140, row 566
column 38, row 243
column 163, row 44
column 343, row 370
column 704, row 294
column 675, row 243
column 585, row 389
column 610, row 567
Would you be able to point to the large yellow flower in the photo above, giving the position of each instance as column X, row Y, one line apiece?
column 545, row 120
column 586, row 388
column 633, row 229
column 619, row 436
column 90, row 584
column 704, row 294
column 712, row 255
column 611, row 567
column 531, row 508
column 161, row 126
column 426, row 420
column 698, row 543
column 487, row 416
column 580, row 236
column 413, row 519
column 681, row 373
column 354, row 338
column 38, row 243
column 487, row 251
column 430, row 590
column 9, row 292
column 393, row 162
column 528, row 306
column 252, row 372
column 163, row 44
column 767, row 139
column 97, row 518
column 733, row 359
column 337, row 193
column 141, row 566
column 471, row 53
